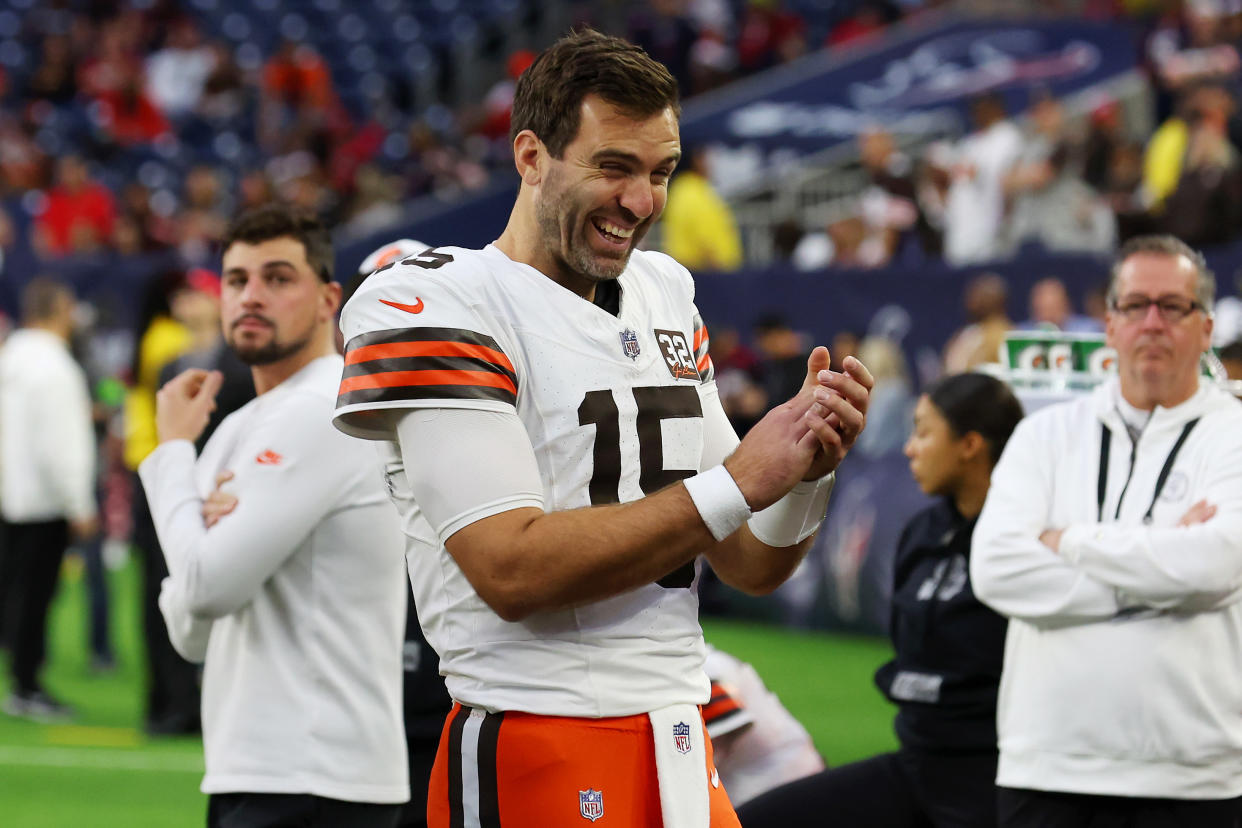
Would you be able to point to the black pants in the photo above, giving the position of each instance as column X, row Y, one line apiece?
column 1021, row 808
column 35, row 551
column 97, row 627
column 260, row 810
column 172, row 682
column 907, row 789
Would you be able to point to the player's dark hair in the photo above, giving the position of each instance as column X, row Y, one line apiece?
column 275, row 221
column 979, row 403
column 549, row 94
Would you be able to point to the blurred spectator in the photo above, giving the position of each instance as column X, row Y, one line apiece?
column 699, row 228
column 23, row 164
column 1190, row 47
column 436, row 166
column 178, row 73
column 253, row 189
column 55, row 77
column 115, row 60
column 48, row 480
column 1051, row 204
column 1050, row 307
column 172, row 697
column 738, row 372
column 1123, row 191
column 981, row 339
column 1231, row 358
column 892, row 398
column 203, row 217
column 138, row 228
column 847, row 242
column 865, row 20
column 891, row 201
column 498, row 102
column 975, row 203
column 300, row 108
column 769, row 34
column 224, row 94
column 1205, row 205
column 376, row 204
column 782, row 356
column 1095, row 303
column 78, row 214
column 128, row 117
column 785, row 238
column 1105, row 136
column 667, row 33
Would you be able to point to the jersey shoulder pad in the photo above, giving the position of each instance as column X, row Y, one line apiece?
column 435, row 288
column 415, row 336
column 671, row 273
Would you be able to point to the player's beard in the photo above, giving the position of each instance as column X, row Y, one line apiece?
column 563, row 228
column 271, row 351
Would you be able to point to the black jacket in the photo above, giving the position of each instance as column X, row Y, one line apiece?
column 949, row 646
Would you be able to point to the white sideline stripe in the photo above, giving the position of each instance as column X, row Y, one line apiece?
column 101, row 759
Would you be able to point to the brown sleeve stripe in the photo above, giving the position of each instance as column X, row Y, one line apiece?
column 424, row 348
column 426, row 364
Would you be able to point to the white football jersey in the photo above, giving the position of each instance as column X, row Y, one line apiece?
column 613, row 407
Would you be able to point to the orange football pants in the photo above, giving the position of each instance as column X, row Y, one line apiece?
column 519, row 770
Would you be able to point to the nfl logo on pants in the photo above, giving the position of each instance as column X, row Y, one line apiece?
column 681, row 737
column 591, row 804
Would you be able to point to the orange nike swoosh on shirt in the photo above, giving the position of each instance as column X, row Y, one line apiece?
column 415, row 308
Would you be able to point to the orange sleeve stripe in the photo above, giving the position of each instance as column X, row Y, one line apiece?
column 703, row 362
column 443, row 348
column 700, row 336
column 720, row 708
column 392, row 379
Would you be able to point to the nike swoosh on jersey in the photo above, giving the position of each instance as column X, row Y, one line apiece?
column 417, row 307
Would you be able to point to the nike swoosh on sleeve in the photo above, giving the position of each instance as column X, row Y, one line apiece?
column 417, row 307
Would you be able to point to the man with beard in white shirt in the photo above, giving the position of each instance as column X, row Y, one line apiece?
column 285, row 555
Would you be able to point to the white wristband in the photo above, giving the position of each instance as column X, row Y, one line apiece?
column 796, row 516
column 720, row 502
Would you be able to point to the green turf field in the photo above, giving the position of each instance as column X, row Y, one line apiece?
column 101, row 771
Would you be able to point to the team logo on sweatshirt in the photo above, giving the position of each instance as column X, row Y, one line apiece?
column 681, row 737
column 591, row 804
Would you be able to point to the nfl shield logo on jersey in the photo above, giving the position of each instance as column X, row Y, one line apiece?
column 681, row 737
column 629, row 343
column 591, row 804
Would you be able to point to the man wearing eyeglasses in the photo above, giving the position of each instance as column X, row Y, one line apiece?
column 1112, row 538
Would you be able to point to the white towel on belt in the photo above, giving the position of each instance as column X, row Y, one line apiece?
column 681, row 766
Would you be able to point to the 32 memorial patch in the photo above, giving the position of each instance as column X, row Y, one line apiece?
column 678, row 356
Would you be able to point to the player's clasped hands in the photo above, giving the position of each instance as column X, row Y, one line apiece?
column 806, row 437
column 184, row 404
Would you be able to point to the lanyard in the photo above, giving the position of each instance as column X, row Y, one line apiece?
column 1102, row 482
